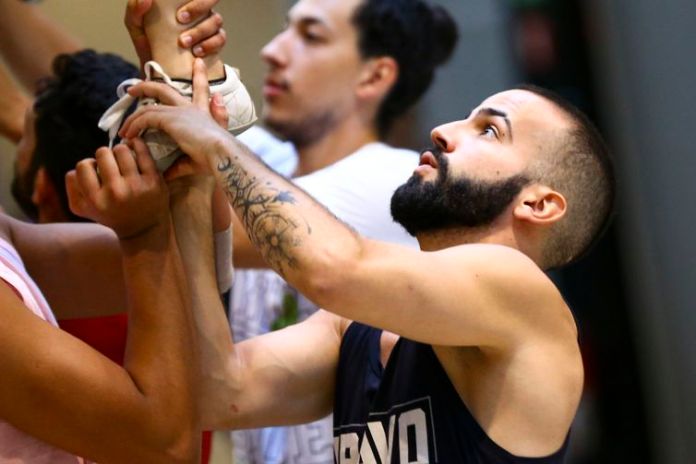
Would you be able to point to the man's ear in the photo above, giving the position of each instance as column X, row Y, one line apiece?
column 378, row 76
column 541, row 205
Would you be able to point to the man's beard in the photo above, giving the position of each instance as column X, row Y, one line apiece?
column 421, row 206
column 22, row 189
column 303, row 132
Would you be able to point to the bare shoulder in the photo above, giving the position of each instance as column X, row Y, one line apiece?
column 518, row 283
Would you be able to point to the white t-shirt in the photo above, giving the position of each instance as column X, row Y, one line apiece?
column 358, row 190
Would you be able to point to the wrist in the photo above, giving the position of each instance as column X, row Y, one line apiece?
column 152, row 236
column 219, row 153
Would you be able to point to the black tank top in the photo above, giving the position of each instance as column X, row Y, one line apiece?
column 407, row 413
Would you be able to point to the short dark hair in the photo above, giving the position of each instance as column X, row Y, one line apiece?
column 68, row 106
column 579, row 166
column 420, row 36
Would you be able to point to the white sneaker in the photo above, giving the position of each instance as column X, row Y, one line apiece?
column 240, row 109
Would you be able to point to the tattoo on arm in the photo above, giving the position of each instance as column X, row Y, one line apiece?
column 271, row 230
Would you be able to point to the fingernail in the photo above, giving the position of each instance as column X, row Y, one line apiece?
column 186, row 40
column 198, row 50
column 184, row 16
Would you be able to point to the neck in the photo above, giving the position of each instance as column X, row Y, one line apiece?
column 446, row 238
column 512, row 235
column 343, row 140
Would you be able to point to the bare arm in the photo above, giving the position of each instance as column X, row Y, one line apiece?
column 246, row 255
column 61, row 391
column 163, row 31
column 203, row 36
column 77, row 266
column 285, row 377
column 13, row 105
column 28, row 52
column 459, row 296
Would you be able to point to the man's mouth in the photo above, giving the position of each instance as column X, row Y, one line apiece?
column 274, row 86
column 427, row 158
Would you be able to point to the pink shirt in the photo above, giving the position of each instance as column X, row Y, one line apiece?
column 17, row 447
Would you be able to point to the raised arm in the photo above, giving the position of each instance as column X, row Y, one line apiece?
column 172, row 44
column 31, row 40
column 61, row 391
column 203, row 34
column 457, row 296
column 281, row 378
column 13, row 105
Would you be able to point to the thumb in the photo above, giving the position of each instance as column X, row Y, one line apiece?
column 218, row 111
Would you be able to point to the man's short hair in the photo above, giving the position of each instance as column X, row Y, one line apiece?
column 67, row 109
column 420, row 36
column 578, row 165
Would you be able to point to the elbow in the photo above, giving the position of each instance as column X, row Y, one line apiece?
column 181, row 448
column 175, row 439
column 187, row 452
column 329, row 278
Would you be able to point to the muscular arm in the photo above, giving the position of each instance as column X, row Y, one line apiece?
column 61, row 391
column 459, row 296
column 281, row 378
column 246, row 255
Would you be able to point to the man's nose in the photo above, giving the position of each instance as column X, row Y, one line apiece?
column 442, row 138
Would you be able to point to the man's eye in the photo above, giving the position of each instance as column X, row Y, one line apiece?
column 490, row 131
column 310, row 36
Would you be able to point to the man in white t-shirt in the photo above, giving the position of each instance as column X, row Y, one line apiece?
column 338, row 76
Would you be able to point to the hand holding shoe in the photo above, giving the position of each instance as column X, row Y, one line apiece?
column 120, row 191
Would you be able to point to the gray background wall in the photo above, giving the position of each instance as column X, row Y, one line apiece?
column 646, row 59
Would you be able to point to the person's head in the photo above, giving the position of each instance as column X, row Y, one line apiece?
column 525, row 160
column 61, row 129
column 370, row 59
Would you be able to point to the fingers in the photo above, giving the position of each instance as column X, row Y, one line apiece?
column 204, row 30
column 135, row 11
column 218, row 110
column 201, row 89
column 86, row 176
column 159, row 91
column 125, row 161
column 194, row 9
column 143, row 158
column 76, row 200
column 212, row 45
column 107, row 166
column 144, row 118
column 133, row 20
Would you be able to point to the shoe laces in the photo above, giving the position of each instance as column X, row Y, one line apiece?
column 113, row 117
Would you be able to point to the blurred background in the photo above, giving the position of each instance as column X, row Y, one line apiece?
column 631, row 64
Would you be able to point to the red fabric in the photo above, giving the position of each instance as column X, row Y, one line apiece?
column 206, row 446
column 105, row 334
column 108, row 336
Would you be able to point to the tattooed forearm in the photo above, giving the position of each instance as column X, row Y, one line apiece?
column 273, row 231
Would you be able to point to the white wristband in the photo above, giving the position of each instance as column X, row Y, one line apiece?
column 223, row 259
